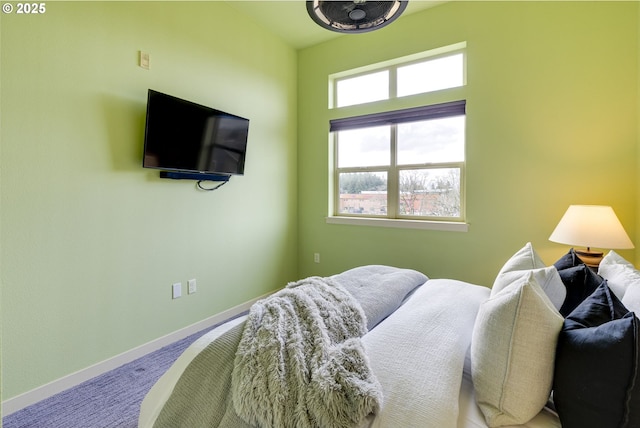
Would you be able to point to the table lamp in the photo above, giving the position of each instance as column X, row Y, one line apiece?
column 591, row 226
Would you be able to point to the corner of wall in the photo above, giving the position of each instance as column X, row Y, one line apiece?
column 0, row 249
column 637, row 234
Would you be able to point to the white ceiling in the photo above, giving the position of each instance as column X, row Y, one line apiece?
column 289, row 19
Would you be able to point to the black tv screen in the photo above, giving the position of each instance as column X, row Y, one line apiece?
column 184, row 136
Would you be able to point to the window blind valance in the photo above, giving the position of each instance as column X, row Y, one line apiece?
column 414, row 114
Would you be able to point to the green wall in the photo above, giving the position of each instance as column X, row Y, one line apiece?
column 552, row 120
column 91, row 241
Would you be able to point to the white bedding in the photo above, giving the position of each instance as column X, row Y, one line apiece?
column 418, row 354
column 471, row 417
column 161, row 390
column 422, row 386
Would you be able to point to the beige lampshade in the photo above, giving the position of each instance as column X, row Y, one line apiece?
column 591, row 226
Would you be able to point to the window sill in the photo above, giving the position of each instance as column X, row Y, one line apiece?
column 448, row 226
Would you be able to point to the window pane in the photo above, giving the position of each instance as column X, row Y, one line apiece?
column 430, row 192
column 432, row 75
column 431, row 141
column 363, row 89
column 364, row 147
column 363, row 193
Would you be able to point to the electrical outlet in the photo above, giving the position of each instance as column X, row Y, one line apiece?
column 176, row 290
column 192, row 286
column 316, row 257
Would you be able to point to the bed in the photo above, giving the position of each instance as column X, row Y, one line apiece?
column 379, row 346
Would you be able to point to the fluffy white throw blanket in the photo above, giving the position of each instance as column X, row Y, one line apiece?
column 300, row 362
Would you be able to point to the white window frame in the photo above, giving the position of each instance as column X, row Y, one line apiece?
column 392, row 119
column 392, row 219
column 392, row 66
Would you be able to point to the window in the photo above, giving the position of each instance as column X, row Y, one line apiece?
column 362, row 89
column 432, row 75
column 402, row 78
column 401, row 164
column 404, row 164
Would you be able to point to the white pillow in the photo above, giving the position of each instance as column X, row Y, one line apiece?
column 620, row 274
column 524, row 258
column 527, row 260
column 513, row 352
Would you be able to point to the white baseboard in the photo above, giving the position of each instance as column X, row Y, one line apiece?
column 45, row 391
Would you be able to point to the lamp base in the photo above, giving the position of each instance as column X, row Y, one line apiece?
column 590, row 258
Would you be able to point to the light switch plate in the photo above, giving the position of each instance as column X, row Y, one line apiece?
column 144, row 60
column 176, row 290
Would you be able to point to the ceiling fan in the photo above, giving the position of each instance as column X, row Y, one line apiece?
column 357, row 16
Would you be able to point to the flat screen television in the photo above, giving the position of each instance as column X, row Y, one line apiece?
column 187, row 137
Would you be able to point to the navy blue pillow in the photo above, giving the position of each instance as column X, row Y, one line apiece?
column 570, row 259
column 580, row 282
column 596, row 381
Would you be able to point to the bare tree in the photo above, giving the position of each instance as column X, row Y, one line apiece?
column 427, row 194
column 413, row 186
column 447, row 202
